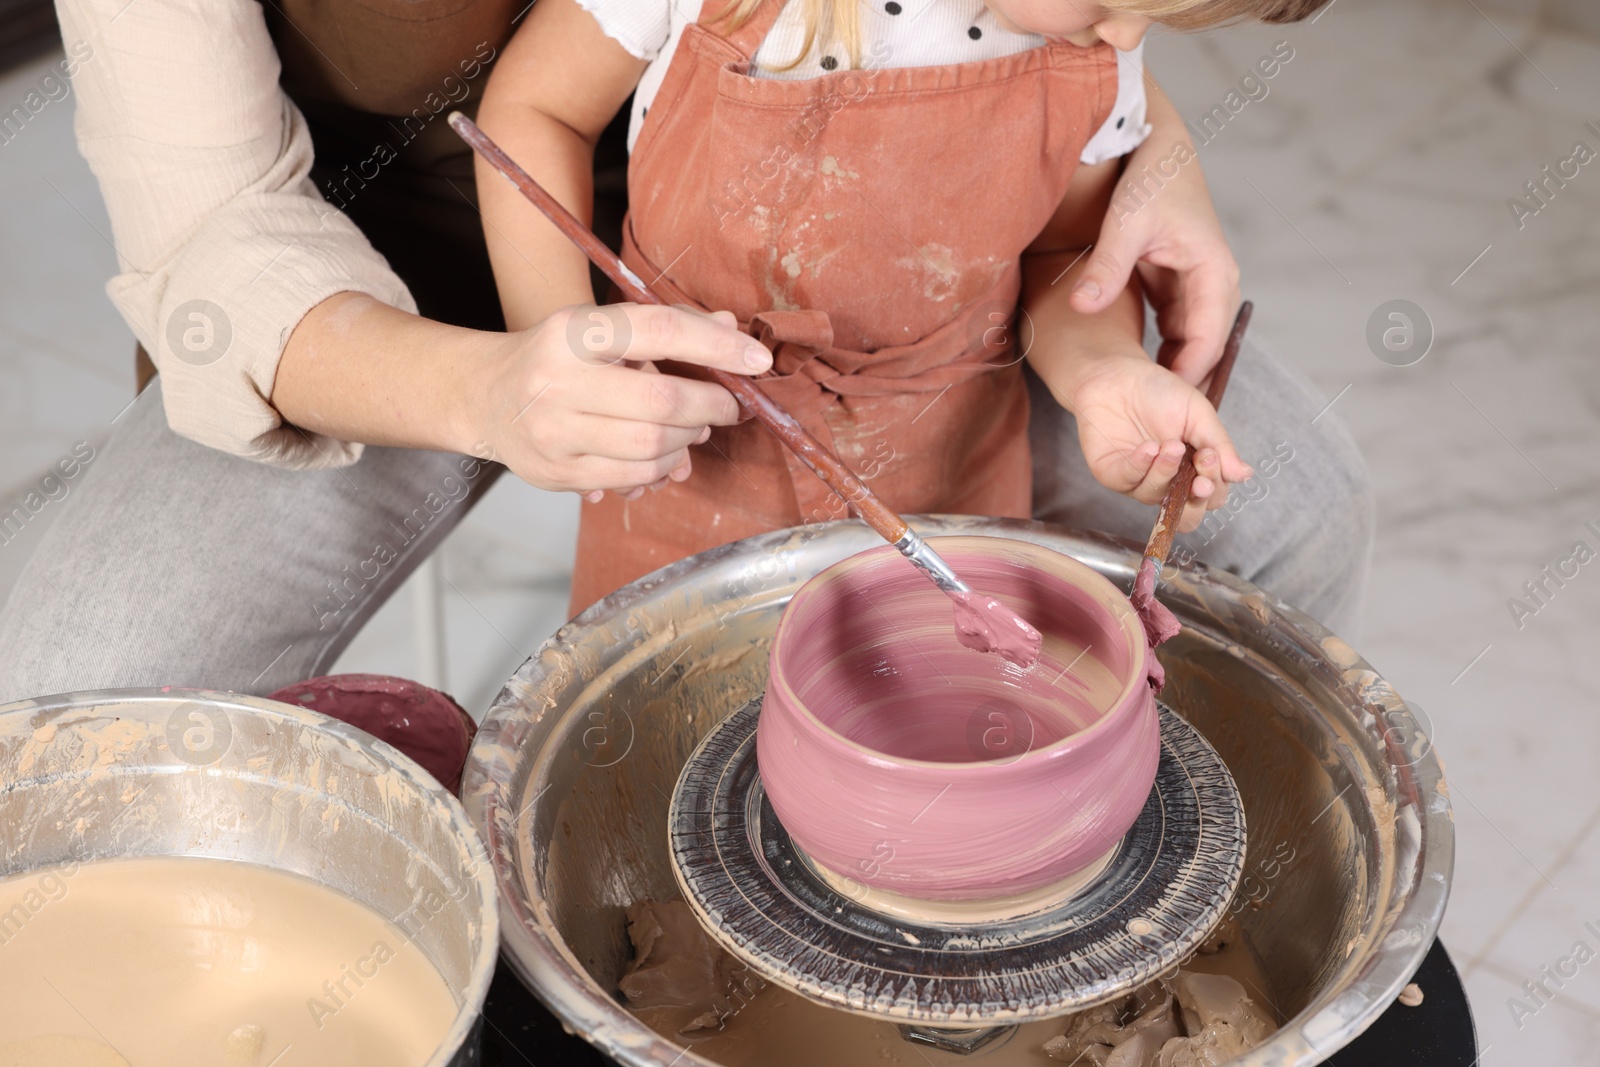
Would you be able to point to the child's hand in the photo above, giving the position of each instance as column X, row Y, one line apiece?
column 574, row 403
column 1134, row 418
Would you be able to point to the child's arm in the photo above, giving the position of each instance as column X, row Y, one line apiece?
column 559, row 83
column 1134, row 417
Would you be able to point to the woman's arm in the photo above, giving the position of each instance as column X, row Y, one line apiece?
column 222, row 242
column 360, row 369
column 556, row 399
column 281, row 335
column 559, row 416
column 1162, row 222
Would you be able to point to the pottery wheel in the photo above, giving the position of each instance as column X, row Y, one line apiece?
column 1162, row 892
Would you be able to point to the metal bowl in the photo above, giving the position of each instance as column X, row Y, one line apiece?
column 1351, row 839
column 144, row 772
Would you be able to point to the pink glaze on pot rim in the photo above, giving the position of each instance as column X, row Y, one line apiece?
column 899, row 759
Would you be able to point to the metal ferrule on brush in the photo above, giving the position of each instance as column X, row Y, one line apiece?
column 915, row 549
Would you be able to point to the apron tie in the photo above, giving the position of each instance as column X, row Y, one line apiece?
column 810, row 376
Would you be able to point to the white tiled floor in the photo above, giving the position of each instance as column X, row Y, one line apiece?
column 1378, row 167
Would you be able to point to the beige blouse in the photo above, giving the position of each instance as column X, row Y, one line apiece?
column 223, row 243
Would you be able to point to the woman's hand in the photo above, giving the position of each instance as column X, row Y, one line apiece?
column 1165, row 226
column 575, row 403
column 572, row 399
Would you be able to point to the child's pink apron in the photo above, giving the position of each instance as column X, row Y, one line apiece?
column 868, row 225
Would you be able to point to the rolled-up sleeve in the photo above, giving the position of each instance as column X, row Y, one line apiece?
column 222, row 240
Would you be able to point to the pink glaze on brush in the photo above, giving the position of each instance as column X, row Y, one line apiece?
column 986, row 625
column 1160, row 624
column 897, row 758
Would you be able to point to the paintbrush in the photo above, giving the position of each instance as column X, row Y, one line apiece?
column 1159, row 623
column 983, row 623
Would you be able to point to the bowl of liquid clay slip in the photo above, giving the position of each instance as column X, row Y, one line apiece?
column 192, row 877
column 901, row 761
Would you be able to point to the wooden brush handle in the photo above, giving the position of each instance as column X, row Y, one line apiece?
column 827, row 466
column 1177, row 494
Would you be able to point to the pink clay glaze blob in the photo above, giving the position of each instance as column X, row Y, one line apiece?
column 898, row 758
column 985, row 624
column 1160, row 624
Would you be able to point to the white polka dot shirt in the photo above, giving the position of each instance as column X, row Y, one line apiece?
column 895, row 33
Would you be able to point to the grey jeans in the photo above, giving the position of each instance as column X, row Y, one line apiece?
column 173, row 564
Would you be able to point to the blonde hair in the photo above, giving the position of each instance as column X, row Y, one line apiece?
column 843, row 16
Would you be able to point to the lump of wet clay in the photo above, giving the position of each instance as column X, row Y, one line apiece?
column 1127, row 1033
column 676, row 967
column 244, row 1044
column 1189, row 1020
column 1220, row 1021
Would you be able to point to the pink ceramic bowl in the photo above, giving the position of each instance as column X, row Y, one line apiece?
column 899, row 759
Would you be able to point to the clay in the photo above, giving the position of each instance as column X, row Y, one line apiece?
column 986, row 625
column 423, row 723
column 677, row 974
column 1219, row 1017
column 899, row 759
column 1411, row 996
column 1192, row 1019
column 1160, row 624
column 1113, row 1034
column 1207, row 1011
column 772, row 1027
column 245, row 1044
column 194, row 963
